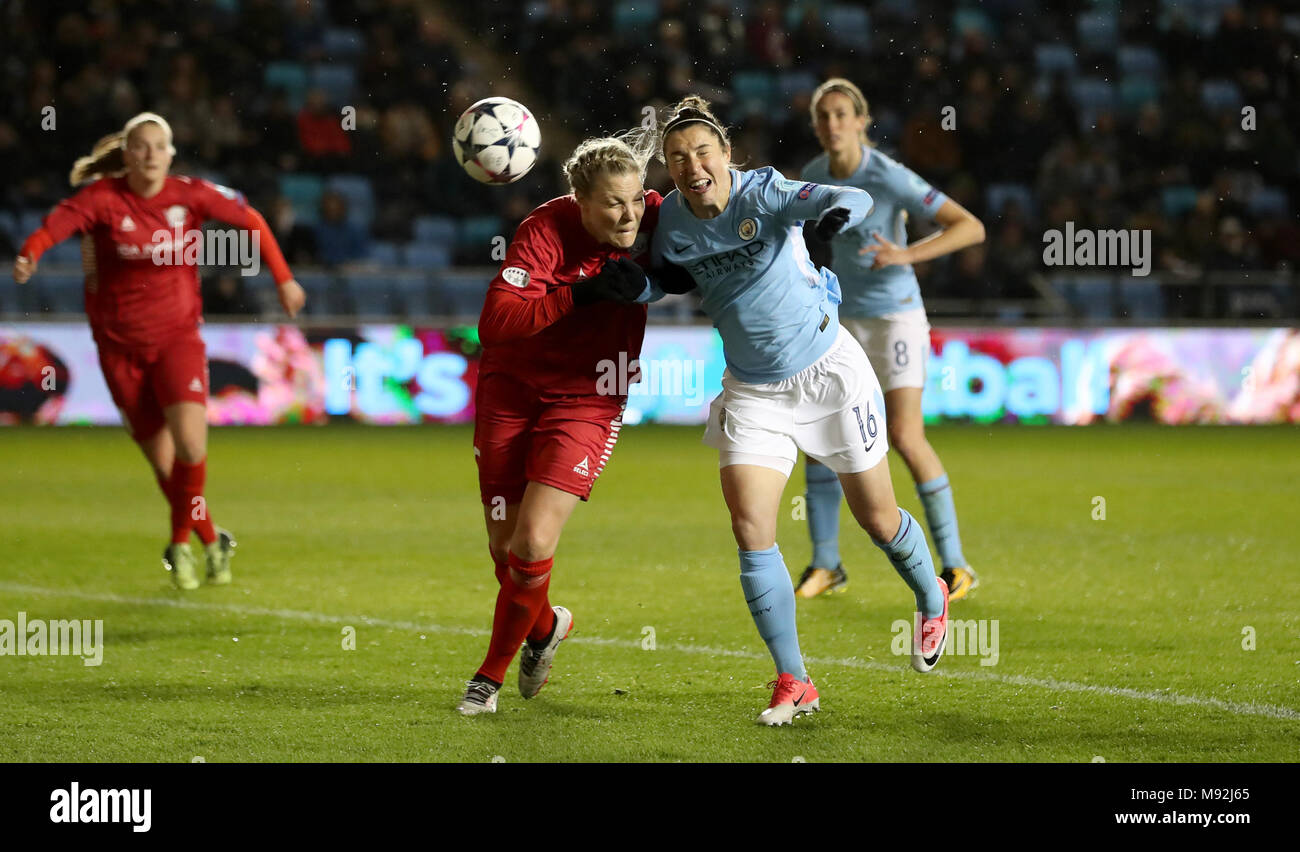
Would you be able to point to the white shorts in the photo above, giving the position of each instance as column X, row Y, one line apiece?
column 898, row 346
column 833, row 411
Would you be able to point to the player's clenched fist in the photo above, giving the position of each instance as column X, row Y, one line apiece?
column 831, row 223
column 618, row 281
column 23, row 269
column 292, row 297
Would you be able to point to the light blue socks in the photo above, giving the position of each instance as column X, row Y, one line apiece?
column 941, row 515
column 911, row 558
column 824, row 496
column 770, row 597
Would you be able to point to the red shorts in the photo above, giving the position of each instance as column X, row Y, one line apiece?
column 145, row 381
column 522, row 436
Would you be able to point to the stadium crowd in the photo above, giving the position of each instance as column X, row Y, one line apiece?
column 335, row 116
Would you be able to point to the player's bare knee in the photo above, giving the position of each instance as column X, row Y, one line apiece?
column 500, row 549
column 752, row 534
column 191, row 451
column 881, row 524
column 906, row 439
column 532, row 544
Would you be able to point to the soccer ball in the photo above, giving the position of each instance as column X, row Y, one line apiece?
column 496, row 140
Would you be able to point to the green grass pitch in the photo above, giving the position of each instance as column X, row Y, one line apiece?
column 1167, row 631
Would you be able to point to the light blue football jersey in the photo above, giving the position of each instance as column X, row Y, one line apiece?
column 776, row 312
column 897, row 190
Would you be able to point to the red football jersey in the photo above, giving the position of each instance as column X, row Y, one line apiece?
column 130, row 299
column 530, row 327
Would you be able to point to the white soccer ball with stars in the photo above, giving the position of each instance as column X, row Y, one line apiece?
column 496, row 140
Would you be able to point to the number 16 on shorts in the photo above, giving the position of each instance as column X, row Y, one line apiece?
column 867, row 426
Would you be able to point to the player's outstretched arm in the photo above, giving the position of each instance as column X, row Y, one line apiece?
column 958, row 228
column 833, row 208
column 78, row 214
column 292, row 297
column 229, row 206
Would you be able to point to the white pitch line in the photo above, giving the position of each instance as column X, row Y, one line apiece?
column 1239, row 708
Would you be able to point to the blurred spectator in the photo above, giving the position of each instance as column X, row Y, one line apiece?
column 297, row 241
column 225, row 293
column 339, row 241
column 321, row 136
column 1014, row 261
column 1166, row 145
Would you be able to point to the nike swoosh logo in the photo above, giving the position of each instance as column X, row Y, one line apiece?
column 869, row 446
column 751, row 600
column 680, row 249
column 801, row 697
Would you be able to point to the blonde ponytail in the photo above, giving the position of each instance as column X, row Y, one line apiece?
column 106, row 158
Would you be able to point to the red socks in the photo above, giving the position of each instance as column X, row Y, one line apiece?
column 520, row 606
column 189, row 508
column 545, row 622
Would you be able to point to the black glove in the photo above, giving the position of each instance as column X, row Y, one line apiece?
column 831, row 222
column 674, row 279
column 618, row 281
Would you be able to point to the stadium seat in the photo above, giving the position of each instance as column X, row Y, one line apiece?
column 1269, row 201
column 1138, row 59
column 9, row 297
column 1141, row 298
column 1091, row 296
column 66, row 252
column 1177, row 200
column 967, row 19
column 461, row 294
column 29, row 221
column 372, row 296
column 321, row 299
column 304, row 192
column 435, row 229
column 63, row 294
column 1219, row 95
column 754, row 91
column 633, row 15
column 384, row 253
column 1098, row 31
column 1055, row 58
column 339, row 82
column 999, row 194
column 416, row 295
column 1136, row 91
column 290, row 77
column 344, row 43
column 536, row 11
column 1093, row 93
column 792, row 83
column 426, row 256
column 479, row 230
column 850, row 26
